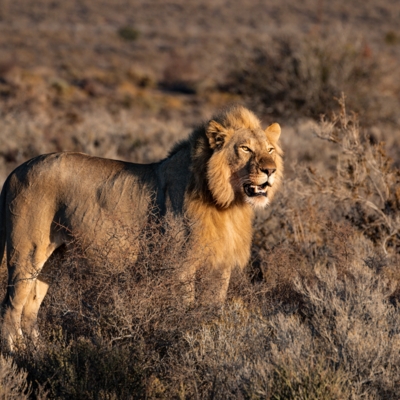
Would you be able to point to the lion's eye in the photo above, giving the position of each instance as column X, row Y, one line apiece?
column 245, row 149
column 271, row 150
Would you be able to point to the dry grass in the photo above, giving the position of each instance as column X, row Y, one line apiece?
column 315, row 315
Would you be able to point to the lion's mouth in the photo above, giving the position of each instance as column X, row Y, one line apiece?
column 255, row 190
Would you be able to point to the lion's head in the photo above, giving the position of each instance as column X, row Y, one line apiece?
column 245, row 163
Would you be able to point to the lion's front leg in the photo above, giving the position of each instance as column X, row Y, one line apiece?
column 213, row 284
column 186, row 284
column 219, row 286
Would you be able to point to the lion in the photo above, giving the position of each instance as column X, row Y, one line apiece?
column 214, row 180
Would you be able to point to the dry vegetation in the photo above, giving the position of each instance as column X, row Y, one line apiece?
column 316, row 313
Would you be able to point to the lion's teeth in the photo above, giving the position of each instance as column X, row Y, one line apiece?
column 259, row 189
column 255, row 190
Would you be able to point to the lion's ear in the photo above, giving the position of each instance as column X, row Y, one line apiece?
column 273, row 132
column 216, row 134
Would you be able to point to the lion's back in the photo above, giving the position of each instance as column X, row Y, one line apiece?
column 85, row 194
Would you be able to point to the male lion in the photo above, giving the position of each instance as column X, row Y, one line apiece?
column 213, row 180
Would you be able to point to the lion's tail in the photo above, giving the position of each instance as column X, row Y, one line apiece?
column 3, row 236
column 3, row 232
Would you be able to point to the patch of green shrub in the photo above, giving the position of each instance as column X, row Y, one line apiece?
column 392, row 38
column 128, row 33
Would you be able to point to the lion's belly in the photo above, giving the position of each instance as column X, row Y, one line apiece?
column 106, row 231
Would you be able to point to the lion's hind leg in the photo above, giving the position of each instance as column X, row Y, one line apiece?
column 31, row 309
column 18, row 290
column 22, row 279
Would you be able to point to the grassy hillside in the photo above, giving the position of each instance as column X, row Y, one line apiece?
column 315, row 314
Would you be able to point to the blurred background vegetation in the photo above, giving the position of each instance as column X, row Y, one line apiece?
column 315, row 315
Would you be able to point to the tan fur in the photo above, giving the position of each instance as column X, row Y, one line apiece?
column 214, row 180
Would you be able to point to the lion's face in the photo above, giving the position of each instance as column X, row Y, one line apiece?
column 245, row 165
column 252, row 157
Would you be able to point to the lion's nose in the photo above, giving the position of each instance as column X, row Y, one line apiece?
column 269, row 171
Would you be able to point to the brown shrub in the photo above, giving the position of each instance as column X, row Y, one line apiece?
column 321, row 325
column 302, row 75
column 366, row 184
column 13, row 382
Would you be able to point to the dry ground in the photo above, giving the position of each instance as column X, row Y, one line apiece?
column 315, row 315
